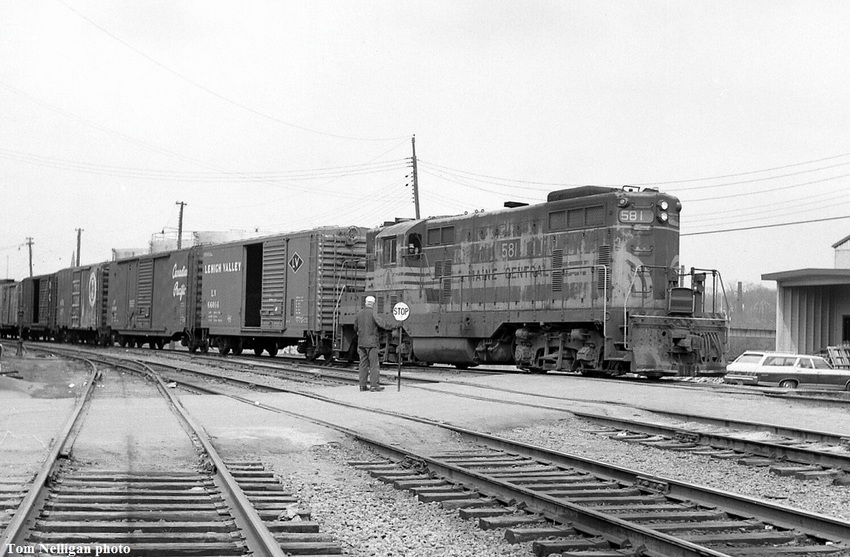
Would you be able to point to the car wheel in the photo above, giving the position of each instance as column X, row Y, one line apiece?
column 788, row 384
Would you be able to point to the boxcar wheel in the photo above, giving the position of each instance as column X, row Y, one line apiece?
column 258, row 351
column 272, row 350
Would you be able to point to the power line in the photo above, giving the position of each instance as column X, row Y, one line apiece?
column 204, row 177
column 704, row 179
column 211, row 91
column 764, row 226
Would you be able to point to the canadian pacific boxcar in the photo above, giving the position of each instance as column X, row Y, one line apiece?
column 150, row 298
column 588, row 281
column 38, row 303
column 9, row 293
column 81, row 304
column 268, row 293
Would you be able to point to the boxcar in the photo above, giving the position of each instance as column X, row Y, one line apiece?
column 81, row 304
column 38, row 304
column 9, row 293
column 586, row 282
column 268, row 293
column 150, row 298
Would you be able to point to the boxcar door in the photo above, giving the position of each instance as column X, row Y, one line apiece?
column 272, row 315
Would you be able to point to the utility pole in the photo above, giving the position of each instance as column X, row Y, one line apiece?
column 29, row 244
column 180, row 225
column 79, row 233
column 415, row 177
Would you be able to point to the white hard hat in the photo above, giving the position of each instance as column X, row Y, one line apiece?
column 370, row 300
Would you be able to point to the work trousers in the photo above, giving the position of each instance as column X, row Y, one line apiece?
column 369, row 366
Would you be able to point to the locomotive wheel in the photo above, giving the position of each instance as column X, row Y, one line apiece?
column 272, row 350
column 193, row 348
column 205, row 348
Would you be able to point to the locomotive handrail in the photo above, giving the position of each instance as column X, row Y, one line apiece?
column 643, row 268
column 715, row 277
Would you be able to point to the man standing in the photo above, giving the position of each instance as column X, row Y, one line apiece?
column 366, row 325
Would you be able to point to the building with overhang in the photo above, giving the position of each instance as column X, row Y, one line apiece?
column 813, row 305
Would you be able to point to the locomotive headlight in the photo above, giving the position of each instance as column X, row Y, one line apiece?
column 622, row 202
column 663, row 217
column 663, row 206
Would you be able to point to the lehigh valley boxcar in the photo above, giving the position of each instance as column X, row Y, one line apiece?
column 268, row 293
column 588, row 281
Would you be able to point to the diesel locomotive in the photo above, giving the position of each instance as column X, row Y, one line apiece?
column 588, row 281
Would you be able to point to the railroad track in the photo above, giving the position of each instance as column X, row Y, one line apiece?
column 590, row 507
column 801, row 454
column 73, row 508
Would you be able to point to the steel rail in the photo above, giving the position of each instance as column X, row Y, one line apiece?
column 37, row 492
column 261, row 541
column 797, row 433
column 802, row 455
column 777, row 514
column 771, row 512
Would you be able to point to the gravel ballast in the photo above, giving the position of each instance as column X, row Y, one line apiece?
column 569, row 435
column 371, row 518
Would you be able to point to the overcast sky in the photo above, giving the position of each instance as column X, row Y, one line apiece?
column 280, row 116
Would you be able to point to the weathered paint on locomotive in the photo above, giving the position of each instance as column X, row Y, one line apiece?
column 581, row 282
column 148, row 298
column 81, row 303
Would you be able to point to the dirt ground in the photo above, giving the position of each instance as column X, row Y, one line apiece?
column 37, row 394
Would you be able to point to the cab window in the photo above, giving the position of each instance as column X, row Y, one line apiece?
column 414, row 244
column 389, row 251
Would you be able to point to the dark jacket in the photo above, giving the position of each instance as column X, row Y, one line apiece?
column 366, row 325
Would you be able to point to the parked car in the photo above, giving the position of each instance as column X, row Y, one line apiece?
column 786, row 370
